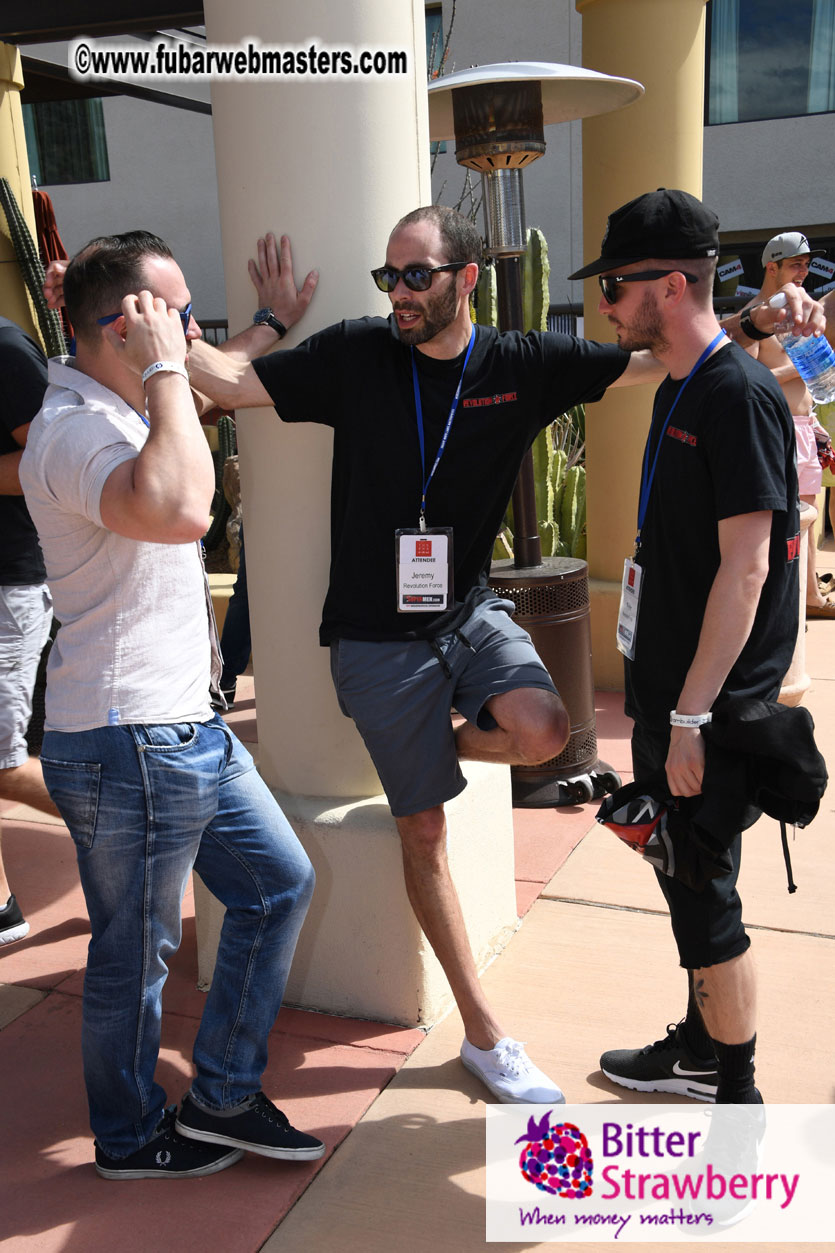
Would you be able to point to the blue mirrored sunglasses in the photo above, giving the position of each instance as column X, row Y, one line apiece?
column 416, row 277
column 183, row 314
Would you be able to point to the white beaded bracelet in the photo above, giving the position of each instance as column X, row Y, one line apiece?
column 170, row 367
column 689, row 720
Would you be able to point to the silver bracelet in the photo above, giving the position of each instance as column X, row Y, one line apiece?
column 169, row 367
column 688, row 720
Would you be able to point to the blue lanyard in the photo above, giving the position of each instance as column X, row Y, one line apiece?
column 419, row 411
column 646, row 479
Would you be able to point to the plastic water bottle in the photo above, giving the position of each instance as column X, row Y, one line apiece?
column 812, row 356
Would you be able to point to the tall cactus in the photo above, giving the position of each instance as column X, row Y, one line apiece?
column 32, row 271
column 536, row 269
column 559, row 475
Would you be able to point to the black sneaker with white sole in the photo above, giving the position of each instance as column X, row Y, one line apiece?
column 13, row 926
column 256, row 1126
column 665, row 1066
column 167, row 1156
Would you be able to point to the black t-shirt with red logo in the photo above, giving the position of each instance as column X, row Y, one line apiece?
column 728, row 449
column 357, row 378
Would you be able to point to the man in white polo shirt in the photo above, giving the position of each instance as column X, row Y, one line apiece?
column 119, row 479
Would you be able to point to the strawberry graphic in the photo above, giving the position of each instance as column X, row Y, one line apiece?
column 556, row 1159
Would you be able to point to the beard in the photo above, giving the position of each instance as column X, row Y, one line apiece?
column 645, row 329
column 438, row 313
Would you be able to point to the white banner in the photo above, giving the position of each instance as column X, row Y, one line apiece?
column 729, row 269
column 826, row 269
column 650, row 1173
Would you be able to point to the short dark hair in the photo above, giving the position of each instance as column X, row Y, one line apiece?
column 105, row 271
column 460, row 238
column 704, row 269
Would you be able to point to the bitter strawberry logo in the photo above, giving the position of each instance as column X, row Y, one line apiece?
column 556, row 1159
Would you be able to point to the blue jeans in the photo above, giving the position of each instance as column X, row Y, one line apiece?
column 145, row 805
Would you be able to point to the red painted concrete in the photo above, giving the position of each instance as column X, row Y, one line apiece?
column 323, row 1071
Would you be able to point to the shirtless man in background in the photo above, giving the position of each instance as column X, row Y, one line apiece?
column 786, row 259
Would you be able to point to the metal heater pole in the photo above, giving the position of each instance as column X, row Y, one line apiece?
column 527, row 550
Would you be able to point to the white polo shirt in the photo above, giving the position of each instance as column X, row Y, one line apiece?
column 134, row 639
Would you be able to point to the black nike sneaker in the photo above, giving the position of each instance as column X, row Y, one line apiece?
column 665, row 1066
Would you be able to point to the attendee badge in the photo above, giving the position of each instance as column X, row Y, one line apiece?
column 630, row 600
column 424, row 569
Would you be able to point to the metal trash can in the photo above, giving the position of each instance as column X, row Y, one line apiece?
column 552, row 604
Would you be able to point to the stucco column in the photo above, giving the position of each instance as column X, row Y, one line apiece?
column 655, row 143
column 333, row 163
column 14, row 167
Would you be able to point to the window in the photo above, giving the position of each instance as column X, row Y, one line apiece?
column 434, row 39
column 770, row 58
column 66, row 142
column 434, row 52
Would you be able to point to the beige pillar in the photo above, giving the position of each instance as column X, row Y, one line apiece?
column 334, row 163
column 655, row 143
column 14, row 167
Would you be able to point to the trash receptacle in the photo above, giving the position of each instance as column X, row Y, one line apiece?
column 552, row 604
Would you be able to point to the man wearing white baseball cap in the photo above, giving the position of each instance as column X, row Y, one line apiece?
column 788, row 247
column 786, row 259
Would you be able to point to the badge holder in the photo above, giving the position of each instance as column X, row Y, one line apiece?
column 424, row 569
column 630, row 603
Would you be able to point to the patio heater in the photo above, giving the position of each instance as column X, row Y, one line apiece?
column 497, row 114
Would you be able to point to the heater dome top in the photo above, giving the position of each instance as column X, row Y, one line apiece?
column 568, row 91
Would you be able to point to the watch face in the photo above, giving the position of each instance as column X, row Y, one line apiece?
column 262, row 315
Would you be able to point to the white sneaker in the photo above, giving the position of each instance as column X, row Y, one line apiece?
column 510, row 1074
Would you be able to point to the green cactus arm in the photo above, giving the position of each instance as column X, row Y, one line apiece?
column 536, row 269
column 579, row 529
column 487, row 297
column 568, row 506
column 32, row 271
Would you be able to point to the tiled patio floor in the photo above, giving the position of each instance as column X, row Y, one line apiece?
column 402, row 1120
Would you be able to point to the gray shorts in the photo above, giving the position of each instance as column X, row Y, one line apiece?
column 400, row 695
column 25, row 619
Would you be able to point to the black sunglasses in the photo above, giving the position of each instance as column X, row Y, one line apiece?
column 416, row 277
column 609, row 282
column 183, row 314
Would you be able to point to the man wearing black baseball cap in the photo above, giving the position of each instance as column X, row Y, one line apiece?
column 709, row 607
column 674, row 223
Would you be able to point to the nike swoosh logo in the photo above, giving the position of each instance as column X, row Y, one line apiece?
column 695, row 1074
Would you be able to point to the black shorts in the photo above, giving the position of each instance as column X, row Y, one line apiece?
column 400, row 694
column 707, row 925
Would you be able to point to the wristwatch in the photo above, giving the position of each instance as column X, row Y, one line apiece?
column 266, row 317
column 748, row 329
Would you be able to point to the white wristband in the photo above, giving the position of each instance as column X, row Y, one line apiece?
column 689, row 720
column 169, row 367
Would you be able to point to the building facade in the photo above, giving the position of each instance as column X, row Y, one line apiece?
column 145, row 159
